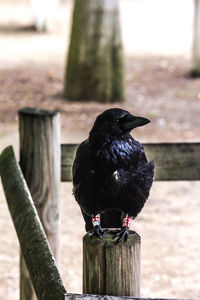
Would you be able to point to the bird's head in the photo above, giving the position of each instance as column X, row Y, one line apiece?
column 115, row 123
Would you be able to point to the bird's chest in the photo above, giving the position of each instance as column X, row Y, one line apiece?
column 116, row 155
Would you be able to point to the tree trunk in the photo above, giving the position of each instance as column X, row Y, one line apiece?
column 110, row 268
column 40, row 163
column 195, row 71
column 95, row 65
column 39, row 259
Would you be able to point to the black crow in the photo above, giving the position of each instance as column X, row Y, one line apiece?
column 111, row 175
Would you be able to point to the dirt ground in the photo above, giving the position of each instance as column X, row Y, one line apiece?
column 158, row 87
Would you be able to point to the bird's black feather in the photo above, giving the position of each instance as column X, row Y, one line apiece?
column 111, row 174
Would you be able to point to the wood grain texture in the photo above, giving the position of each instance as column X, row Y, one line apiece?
column 36, row 251
column 40, row 163
column 68, row 152
column 173, row 161
column 195, row 71
column 110, row 268
column 101, row 297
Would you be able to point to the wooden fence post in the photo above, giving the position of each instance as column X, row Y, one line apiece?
column 195, row 71
column 110, row 268
column 40, row 164
column 39, row 259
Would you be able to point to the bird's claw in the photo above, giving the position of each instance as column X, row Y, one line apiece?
column 123, row 234
column 98, row 232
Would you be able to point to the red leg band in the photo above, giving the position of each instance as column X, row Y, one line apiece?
column 96, row 220
column 126, row 222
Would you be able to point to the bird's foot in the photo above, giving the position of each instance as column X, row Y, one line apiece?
column 123, row 234
column 97, row 231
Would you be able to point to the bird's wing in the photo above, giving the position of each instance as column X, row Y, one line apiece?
column 81, row 165
column 82, row 171
column 142, row 156
column 85, row 183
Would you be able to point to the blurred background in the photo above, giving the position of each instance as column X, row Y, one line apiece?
column 157, row 52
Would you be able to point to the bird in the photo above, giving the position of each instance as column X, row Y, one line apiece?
column 111, row 175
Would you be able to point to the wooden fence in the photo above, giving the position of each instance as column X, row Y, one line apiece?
column 40, row 153
column 173, row 161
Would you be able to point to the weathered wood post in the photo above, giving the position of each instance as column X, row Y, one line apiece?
column 39, row 259
column 110, row 268
column 40, row 163
column 195, row 71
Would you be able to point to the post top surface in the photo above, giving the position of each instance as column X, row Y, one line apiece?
column 37, row 111
column 6, row 152
column 109, row 238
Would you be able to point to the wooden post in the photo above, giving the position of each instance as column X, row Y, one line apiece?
column 39, row 259
column 195, row 71
column 40, row 163
column 110, row 268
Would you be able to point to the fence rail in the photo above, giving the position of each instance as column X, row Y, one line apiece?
column 101, row 297
column 173, row 161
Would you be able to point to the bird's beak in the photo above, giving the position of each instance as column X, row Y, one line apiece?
column 130, row 122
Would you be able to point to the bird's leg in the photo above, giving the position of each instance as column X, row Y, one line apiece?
column 97, row 231
column 123, row 233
